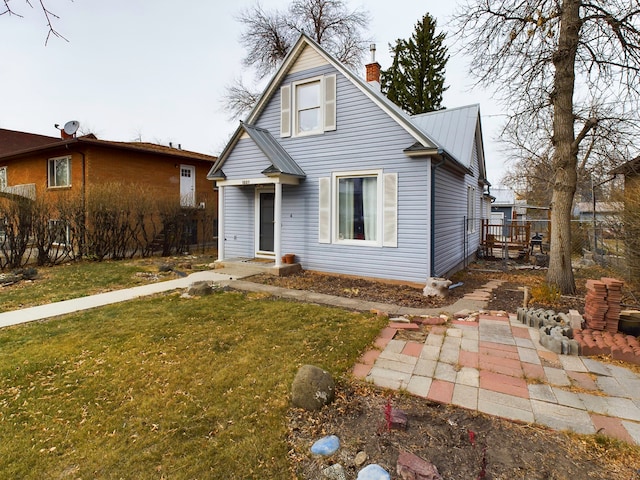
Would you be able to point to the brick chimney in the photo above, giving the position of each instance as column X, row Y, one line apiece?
column 373, row 68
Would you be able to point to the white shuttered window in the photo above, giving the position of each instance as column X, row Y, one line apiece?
column 308, row 107
column 359, row 208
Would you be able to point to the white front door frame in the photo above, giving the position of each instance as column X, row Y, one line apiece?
column 276, row 254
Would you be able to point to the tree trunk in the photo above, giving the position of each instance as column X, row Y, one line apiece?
column 565, row 156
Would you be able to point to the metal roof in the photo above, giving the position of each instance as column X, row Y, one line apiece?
column 454, row 129
column 281, row 161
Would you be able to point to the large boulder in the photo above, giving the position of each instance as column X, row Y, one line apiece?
column 312, row 388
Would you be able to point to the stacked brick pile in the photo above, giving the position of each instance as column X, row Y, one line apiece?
column 596, row 305
column 602, row 315
column 614, row 298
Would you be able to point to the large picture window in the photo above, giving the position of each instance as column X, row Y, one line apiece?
column 59, row 172
column 358, row 208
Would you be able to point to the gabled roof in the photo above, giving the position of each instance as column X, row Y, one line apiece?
column 13, row 141
column 280, row 160
column 424, row 130
column 91, row 140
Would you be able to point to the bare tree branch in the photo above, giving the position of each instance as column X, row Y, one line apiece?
column 269, row 35
column 48, row 15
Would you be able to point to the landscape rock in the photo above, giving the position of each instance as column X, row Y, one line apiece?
column 412, row 467
column 165, row 267
column 200, row 289
column 436, row 287
column 373, row 472
column 361, row 457
column 326, row 446
column 464, row 313
column 334, row 472
column 312, row 388
column 398, row 419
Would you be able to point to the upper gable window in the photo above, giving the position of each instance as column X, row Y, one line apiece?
column 308, row 107
column 308, row 111
column 3, row 178
column 59, row 172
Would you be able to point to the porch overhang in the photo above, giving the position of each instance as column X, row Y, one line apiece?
column 270, row 180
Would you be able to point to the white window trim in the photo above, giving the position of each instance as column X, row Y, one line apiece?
column 335, row 176
column 68, row 184
column 270, row 188
column 294, row 106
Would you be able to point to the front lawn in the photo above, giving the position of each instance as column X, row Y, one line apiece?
column 78, row 279
column 165, row 387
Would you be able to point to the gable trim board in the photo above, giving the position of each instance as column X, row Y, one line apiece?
column 365, row 197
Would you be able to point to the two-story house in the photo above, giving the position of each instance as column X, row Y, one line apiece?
column 327, row 168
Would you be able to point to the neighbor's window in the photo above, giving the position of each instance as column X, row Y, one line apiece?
column 3, row 178
column 308, row 111
column 59, row 232
column 357, row 208
column 60, row 172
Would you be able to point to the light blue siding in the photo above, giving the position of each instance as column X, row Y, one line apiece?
column 365, row 138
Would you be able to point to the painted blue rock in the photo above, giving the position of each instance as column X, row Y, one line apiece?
column 373, row 472
column 326, row 446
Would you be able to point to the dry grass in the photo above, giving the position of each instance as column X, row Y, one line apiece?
column 164, row 387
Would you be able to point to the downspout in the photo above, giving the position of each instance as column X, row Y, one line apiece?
column 433, row 211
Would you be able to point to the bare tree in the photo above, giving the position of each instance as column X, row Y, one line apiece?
column 48, row 15
column 558, row 58
column 269, row 35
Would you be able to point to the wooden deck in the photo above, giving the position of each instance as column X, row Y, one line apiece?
column 509, row 240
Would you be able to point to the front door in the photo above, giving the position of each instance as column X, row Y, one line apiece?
column 187, row 186
column 265, row 220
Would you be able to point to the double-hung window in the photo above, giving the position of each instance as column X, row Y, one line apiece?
column 308, row 107
column 59, row 172
column 59, row 232
column 308, row 112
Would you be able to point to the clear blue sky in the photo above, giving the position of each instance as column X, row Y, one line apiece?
column 156, row 70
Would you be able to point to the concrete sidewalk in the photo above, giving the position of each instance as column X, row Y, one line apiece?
column 93, row 301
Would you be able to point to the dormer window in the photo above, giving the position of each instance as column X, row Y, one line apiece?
column 308, row 107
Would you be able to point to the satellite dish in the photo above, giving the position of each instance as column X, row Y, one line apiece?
column 71, row 127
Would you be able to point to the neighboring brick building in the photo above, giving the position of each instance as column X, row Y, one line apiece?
column 38, row 166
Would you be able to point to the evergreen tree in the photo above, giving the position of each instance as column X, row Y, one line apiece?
column 415, row 80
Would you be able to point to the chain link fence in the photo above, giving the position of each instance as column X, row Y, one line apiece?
column 602, row 242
